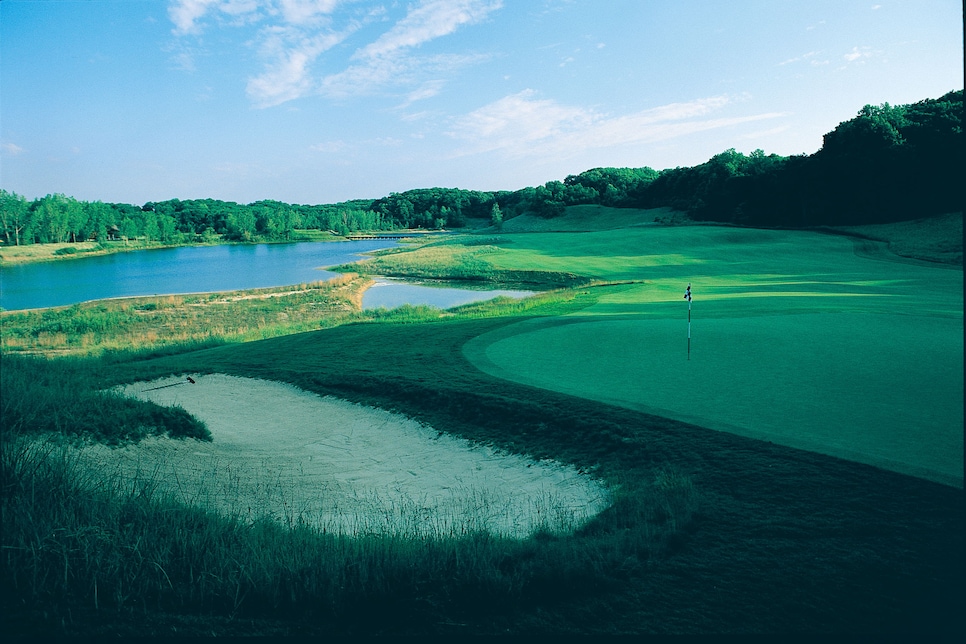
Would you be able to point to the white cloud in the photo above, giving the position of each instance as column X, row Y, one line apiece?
column 810, row 57
column 522, row 125
column 379, row 74
column 430, row 20
column 858, row 53
column 387, row 61
column 295, row 33
column 300, row 12
column 289, row 54
column 425, row 91
column 11, row 148
column 185, row 14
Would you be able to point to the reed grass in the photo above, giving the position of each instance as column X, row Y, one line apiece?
column 154, row 323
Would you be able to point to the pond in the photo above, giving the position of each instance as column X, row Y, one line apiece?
column 205, row 269
column 389, row 294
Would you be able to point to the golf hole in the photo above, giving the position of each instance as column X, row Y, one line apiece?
column 302, row 459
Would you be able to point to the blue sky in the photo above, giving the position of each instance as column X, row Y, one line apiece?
column 319, row 101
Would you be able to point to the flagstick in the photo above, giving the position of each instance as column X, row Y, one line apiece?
column 687, row 296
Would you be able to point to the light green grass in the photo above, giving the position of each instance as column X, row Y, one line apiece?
column 795, row 339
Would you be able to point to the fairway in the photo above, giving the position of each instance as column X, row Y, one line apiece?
column 795, row 339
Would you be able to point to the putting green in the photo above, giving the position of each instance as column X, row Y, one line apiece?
column 811, row 346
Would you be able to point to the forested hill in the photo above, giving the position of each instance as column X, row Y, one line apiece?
column 889, row 163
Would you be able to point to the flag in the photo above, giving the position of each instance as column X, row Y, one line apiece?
column 687, row 293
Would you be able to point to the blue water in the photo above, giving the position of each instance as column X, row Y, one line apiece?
column 208, row 269
column 390, row 294
column 169, row 271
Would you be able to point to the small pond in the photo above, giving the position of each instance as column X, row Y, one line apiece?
column 389, row 294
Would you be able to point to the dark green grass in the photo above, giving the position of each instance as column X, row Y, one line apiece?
column 41, row 397
column 783, row 540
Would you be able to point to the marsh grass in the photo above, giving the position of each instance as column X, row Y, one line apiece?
column 153, row 323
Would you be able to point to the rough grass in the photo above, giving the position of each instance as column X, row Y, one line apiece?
column 587, row 218
column 63, row 399
column 152, row 323
column 86, row 552
column 934, row 239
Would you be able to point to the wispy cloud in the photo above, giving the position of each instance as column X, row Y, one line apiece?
column 858, row 53
column 427, row 21
column 523, row 125
column 289, row 53
column 810, row 57
column 11, row 148
column 294, row 34
column 388, row 60
column 187, row 15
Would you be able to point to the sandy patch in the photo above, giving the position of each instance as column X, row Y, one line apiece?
column 298, row 457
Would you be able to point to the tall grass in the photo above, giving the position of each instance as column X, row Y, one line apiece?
column 76, row 541
column 39, row 396
column 96, row 545
column 175, row 320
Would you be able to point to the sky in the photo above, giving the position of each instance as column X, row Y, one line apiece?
column 322, row 101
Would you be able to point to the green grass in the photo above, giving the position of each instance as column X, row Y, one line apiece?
column 935, row 239
column 710, row 531
column 461, row 259
column 64, row 399
column 797, row 337
column 781, row 540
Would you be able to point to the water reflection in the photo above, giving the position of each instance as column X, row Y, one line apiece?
column 389, row 294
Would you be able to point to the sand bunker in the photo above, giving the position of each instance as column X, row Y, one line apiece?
column 297, row 457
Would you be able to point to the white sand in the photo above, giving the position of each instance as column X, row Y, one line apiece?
column 282, row 452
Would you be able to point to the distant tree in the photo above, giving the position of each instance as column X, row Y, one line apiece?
column 496, row 217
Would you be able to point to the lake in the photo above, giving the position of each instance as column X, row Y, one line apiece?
column 207, row 269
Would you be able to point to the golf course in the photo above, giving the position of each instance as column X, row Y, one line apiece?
column 796, row 465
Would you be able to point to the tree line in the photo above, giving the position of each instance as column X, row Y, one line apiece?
column 888, row 163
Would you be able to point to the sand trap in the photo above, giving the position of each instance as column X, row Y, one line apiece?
column 282, row 452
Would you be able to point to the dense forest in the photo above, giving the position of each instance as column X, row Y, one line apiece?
column 889, row 163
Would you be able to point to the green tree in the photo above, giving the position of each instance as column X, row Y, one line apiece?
column 14, row 215
column 496, row 217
